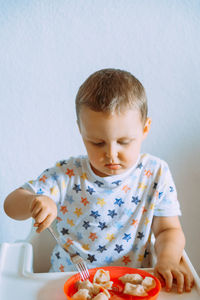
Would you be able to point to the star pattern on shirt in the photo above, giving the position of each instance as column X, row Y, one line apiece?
column 90, row 190
column 140, row 235
column 77, row 164
column 91, row 258
column 54, row 176
column 54, row 190
column 57, row 255
column 77, row 188
column 101, row 248
column 112, row 213
column 84, row 201
column 171, row 189
column 70, row 222
column 95, row 214
column 78, row 212
column 69, row 199
column 84, row 176
column 126, row 260
column 64, row 231
column 86, row 224
column 118, row 248
column 140, row 166
column 108, row 260
column 43, row 178
column 118, row 201
column 70, row 173
column 64, row 209
column 102, row 225
column 117, row 182
column 99, row 183
column 135, row 200
column 101, row 202
column 127, row 237
column 110, row 237
column 93, row 236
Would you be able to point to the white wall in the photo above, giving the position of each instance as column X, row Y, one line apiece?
column 47, row 49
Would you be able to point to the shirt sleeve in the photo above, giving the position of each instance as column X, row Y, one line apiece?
column 166, row 204
column 50, row 183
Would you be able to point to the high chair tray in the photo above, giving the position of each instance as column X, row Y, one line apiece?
column 18, row 282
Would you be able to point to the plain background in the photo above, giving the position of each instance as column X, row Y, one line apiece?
column 48, row 48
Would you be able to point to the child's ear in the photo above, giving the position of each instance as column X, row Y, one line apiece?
column 147, row 127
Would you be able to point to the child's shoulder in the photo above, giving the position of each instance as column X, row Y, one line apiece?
column 148, row 160
column 73, row 162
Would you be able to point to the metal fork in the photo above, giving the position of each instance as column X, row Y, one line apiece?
column 76, row 259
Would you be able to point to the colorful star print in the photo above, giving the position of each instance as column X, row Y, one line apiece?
column 118, row 248
column 126, row 260
column 101, row 248
column 102, row 225
column 117, row 182
column 91, row 258
column 110, row 237
column 101, row 202
column 84, row 201
column 112, row 213
column 127, row 237
column 140, row 235
column 95, row 214
column 86, row 224
column 64, row 231
column 135, row 200
column 63, row 209
column 90, row 190
column 118, row 201
column 99, row 183
column 93, row 236
column 77, row 188
column 78, row 212
column 43, row 178
column 69, row 199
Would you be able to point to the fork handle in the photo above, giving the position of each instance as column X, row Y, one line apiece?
column 58, row 240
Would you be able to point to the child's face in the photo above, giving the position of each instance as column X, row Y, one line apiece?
column 112, row 141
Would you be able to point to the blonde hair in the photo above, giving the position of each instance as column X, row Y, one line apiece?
column 112, row 90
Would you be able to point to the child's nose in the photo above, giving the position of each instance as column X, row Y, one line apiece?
column 111, row 152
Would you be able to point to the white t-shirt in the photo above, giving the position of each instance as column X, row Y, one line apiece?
column 107, row 220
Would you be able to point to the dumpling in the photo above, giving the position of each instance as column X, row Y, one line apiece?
column 134, row 289
column 97, row 288
column 131, row 278
column 82, row 294
column 148, row 283
column 86, row 284
column 101, row 276
column 101, row 296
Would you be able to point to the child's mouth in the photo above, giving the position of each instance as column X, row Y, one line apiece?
column 113, row 166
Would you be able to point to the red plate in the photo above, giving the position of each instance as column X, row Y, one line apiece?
column 116, row 293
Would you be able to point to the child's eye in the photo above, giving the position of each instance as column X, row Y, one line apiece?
column 98, row 144
column 124, row 142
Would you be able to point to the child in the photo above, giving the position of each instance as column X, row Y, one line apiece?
column 108, row 203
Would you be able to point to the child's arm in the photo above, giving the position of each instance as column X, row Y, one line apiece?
column 22, row 204
column 169, row 245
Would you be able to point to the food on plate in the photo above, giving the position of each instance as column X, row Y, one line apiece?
column 134, row 289
column 131, row 284
column 131, row 278
column 82, row 294
column 148, row 283
column 101, row 276
column 101, row 296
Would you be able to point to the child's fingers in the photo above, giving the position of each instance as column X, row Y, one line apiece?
column 41, row 216
column 167, row 275
column 46, row 223
column 179, row 280
column 162, row 281
column 188, row 282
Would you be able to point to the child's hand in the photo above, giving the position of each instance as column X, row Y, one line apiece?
column 167, row 271
column 43, row 211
